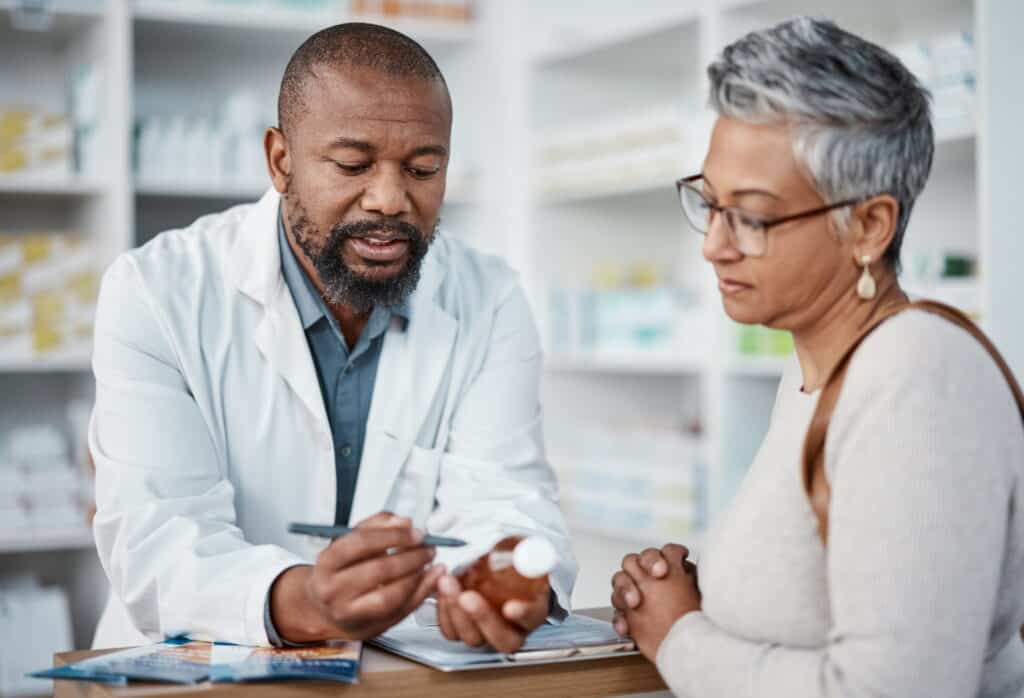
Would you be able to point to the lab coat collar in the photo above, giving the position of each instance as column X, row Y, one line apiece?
column 412, row 366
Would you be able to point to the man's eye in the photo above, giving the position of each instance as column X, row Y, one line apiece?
column 422, row 172
column 352, row 169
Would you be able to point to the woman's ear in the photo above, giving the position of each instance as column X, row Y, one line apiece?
column 279, row 164
column 874, row 226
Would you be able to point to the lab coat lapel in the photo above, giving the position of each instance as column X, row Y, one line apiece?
column 412, row 365
column 255, row 269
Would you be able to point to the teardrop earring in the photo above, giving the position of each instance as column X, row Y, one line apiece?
column 866, row 284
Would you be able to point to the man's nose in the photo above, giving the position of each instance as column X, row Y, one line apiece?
column 386, row 193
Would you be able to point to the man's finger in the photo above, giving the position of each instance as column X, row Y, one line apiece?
column 653, row 563
column 384, row 519
column 366, row 543
column 624, row 592
column 444, row 618
column 370, row 574
column 498, row 632
column 427, row 587
column 387, row 600
column 527, row 615
column 465, row 628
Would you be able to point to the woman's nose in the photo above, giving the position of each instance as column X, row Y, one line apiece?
column 718, row 241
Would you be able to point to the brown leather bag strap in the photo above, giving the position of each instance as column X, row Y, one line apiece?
column 815, row 481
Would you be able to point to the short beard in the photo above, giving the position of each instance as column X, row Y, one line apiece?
column 345, row 286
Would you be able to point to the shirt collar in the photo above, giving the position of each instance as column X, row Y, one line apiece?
column 311, row 304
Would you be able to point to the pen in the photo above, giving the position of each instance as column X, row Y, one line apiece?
column 339, row 531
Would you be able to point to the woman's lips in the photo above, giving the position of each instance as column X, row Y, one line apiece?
column 731, row 287
column 377, row 250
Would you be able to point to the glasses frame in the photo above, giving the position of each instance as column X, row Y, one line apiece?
column 687, row 183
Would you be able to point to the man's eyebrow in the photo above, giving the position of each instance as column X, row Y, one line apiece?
column 438, row 150
column 353, row 143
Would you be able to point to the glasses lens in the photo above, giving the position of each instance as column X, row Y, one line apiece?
column 696, row 208
column 748, row 232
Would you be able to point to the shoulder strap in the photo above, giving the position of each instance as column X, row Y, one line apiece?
column 814, row 479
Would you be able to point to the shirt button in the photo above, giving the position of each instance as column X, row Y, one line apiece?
column 346, row 451
column 347, row 370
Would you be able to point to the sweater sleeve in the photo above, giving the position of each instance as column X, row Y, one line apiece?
column 918, row 455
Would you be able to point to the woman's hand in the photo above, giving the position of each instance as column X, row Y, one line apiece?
column 625, row 593
column 653, row 591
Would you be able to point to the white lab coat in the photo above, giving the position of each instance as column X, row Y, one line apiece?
column 210, row 434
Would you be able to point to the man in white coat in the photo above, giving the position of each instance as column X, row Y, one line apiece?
column 323, row 355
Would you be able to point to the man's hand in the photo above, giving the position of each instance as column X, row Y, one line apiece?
column 361, row 584
column 646, row 605
column 466, row 616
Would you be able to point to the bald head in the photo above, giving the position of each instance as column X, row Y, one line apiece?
column 351, row 45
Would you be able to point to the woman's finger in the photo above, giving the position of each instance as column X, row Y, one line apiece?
column 675, row 554
column 653, row 563
column 620, row 624
column 624, row 592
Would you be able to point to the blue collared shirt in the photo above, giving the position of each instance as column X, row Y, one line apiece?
column 346, row 377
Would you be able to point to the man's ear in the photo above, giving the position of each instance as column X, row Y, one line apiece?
column 279, row 162
column 874, row 226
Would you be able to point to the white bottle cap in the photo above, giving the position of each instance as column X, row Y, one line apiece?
column 534, row 557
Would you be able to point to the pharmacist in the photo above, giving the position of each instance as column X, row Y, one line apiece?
column 324, row 355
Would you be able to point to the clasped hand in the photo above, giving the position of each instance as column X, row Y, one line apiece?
column 651, row 592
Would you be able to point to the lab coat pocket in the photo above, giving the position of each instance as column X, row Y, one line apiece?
column 413, row 495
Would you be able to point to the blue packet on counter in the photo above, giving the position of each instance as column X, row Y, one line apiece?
column 334, row 660
column 182, row 660
column 176, row 660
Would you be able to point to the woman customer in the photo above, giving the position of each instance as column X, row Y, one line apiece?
column 902, row 574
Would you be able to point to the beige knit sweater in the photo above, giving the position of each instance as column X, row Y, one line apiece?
column 921, row 589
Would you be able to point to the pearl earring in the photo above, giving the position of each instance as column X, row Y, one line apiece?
column 866, row 284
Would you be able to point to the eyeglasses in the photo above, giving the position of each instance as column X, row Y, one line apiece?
column 746, row 231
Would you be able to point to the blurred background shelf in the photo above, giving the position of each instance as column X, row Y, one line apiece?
column 632, row 364
column 11, row 185
column 172, row 190
column 44, row 541
column 62, row 364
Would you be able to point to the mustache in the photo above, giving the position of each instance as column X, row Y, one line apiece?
column 384, row 229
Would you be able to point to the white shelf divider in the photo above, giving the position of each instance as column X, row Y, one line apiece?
column 639, row 364
column 32, row 541
column 199, row 190
column 45, row 364
column 30, row 185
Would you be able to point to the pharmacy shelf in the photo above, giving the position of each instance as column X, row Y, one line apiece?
column 174, row 190
column 62, row 19
column 661, row 187
column 624, row 364
column 650, row 36
column 281, row 20
column 42, row 541
column 27, row 185
column 44, row 364
column 757, row 366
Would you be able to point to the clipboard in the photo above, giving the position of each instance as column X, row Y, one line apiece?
column 578, row 638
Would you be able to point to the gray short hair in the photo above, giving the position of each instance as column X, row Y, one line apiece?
column 862, row 121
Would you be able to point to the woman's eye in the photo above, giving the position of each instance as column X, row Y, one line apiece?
column 352, row 169
column 749, row 221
